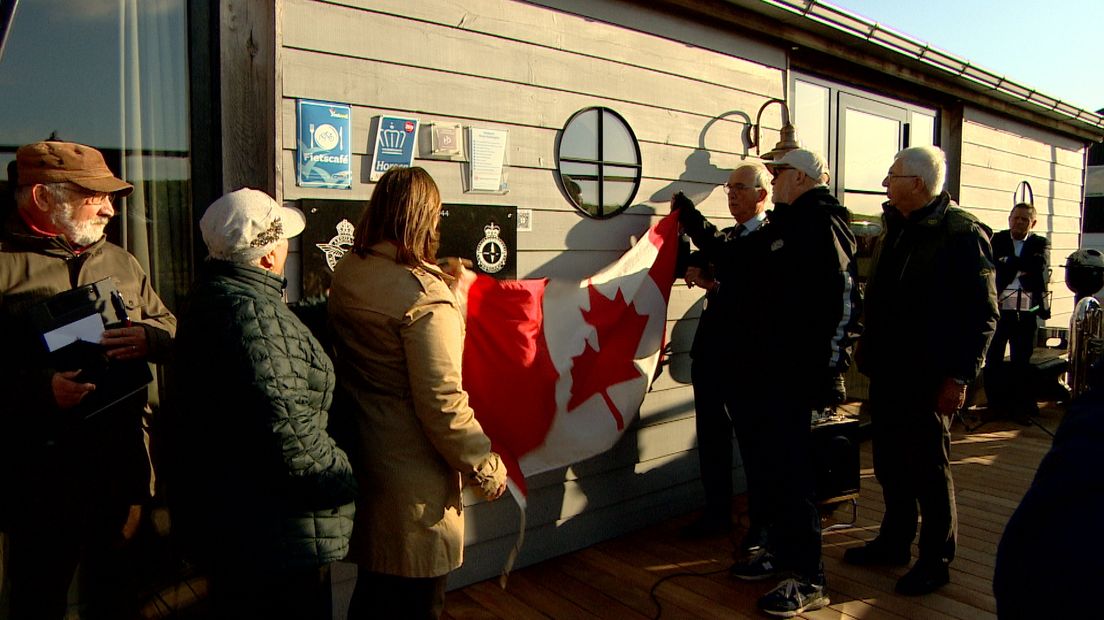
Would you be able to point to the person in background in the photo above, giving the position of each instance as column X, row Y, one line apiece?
column 717, row 408
column 260, row 494
column 398, row 342
column 1023, row 267
column 73, row 484
column 930, row 312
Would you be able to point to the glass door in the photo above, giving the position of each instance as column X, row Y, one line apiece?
column 872, row 133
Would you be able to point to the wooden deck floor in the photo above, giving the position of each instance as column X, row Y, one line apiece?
column 992, row 466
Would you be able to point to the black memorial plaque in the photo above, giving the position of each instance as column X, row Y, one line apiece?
column 486, row 235
column 328, row 235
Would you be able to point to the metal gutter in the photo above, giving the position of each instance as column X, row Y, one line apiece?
column 844, row 21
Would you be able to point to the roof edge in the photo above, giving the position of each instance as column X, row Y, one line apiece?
column 852, row 28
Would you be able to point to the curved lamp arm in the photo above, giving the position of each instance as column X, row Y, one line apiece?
column 788, row 139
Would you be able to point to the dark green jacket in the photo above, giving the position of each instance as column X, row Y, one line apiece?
column 931, row 303
column 254, row 478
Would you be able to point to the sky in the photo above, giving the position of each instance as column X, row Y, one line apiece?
column 1054, row 46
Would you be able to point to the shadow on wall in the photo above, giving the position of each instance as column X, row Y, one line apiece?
column 676, row 354
column 700, row 176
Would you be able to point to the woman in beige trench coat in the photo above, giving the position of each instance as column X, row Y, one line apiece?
column 398, row 342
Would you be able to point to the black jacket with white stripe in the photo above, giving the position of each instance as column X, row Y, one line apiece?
column 788, row 296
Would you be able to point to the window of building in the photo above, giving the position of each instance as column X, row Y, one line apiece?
column 599, row 162
column 113, row 75
column 859, row 133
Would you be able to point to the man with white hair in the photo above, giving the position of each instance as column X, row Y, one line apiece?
column 792, row 316
column 261, row 495
column 716, row 411
column 74, row 476
column 930, row 312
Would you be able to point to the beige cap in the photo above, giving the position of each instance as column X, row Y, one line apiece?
column 245, row 224
column 804, row 160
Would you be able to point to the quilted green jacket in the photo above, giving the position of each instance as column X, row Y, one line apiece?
column 254, row 478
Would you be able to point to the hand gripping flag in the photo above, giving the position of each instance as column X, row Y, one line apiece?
column 557, row 370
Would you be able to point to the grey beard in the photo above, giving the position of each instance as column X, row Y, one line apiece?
column 78, row 234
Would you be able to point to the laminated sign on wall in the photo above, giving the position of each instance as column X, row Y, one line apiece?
column 324, row 157
column 395, row 140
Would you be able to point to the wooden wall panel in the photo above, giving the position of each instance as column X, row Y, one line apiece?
column 424, row 91
column 658, row 40
column 445, row 48
column 534, row 147
column 247, row 32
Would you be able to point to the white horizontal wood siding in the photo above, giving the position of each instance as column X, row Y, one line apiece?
column 526, row 68
column 998, row 153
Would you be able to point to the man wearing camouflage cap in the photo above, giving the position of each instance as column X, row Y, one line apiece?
column 73, row 480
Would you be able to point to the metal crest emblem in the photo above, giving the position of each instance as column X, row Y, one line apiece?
column 490, row 252
column 339, row 244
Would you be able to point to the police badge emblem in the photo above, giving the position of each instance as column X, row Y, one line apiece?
column 490, row 252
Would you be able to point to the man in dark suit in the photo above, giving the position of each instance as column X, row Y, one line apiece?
column 748, row 192
column 1022, row 272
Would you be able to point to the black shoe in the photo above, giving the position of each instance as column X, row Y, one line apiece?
column 877, row 553
column 754, row 540
column 706, row 526
column 759, row 566
column 792, row 597
column 924, row 578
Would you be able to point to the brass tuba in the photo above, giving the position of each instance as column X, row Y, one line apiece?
column 1086, row 344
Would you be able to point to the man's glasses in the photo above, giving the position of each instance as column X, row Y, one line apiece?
column 91, row 198
column 738, row 187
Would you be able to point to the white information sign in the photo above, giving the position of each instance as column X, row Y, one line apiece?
column 488, row 153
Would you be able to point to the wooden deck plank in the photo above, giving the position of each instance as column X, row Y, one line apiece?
column 992, row 467
column 560, row 577
column 460, row 606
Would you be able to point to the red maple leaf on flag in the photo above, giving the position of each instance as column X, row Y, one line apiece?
column 620, row 328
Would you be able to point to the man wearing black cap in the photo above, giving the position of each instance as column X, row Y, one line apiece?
column 73, row 480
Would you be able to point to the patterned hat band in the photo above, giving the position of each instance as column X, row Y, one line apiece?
column 274, row 233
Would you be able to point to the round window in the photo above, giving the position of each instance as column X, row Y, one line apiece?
column 599, row 162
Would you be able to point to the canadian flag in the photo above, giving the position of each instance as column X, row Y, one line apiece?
column 557, row 370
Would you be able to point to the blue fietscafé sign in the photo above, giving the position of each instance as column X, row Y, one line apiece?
column 324, row 157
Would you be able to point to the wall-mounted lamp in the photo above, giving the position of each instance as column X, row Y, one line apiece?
column 788, row 139
column 1024, row 197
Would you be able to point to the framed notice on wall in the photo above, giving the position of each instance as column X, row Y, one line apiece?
column 324, row 156
column 486, row 168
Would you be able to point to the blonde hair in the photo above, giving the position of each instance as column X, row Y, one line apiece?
column 404, row 208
